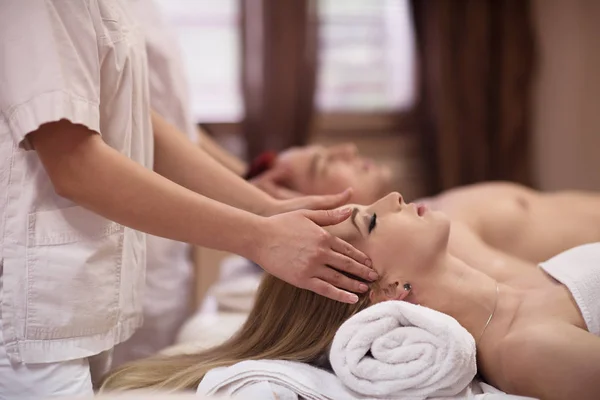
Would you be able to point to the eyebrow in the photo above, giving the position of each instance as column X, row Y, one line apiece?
column 353, row 219
column 312, row 171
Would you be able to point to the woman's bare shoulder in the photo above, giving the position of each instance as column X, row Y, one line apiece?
column 549, row 360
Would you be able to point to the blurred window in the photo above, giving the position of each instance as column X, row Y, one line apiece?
column 208, row 31
column 366, row 55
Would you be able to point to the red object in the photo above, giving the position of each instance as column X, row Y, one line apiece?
column 262, row 163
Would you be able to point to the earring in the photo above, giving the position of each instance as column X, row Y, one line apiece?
column 407, row 287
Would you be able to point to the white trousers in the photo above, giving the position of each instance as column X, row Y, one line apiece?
column 42, row 381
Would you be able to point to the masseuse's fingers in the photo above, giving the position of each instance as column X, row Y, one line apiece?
column 344, row 257
column 328, row 290
column 341, row 281
column 271, row 180
column 297, row 250
column 314, row 203
column 280, row 192
column 328, row 217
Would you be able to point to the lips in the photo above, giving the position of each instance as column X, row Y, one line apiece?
column 421, row 209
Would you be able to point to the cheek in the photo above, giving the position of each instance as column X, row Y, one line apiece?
column 384, row 255
column 404, row 243
column 327, row 186
column 316, row 186
column 341, row 173
column 333, row 181
column 363, row 185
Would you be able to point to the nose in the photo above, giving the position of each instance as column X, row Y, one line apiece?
column 393, row 200
column 397, row 198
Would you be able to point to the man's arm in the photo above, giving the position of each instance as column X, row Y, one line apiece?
column 552, row 362
column 225, row 158
column 177, row 159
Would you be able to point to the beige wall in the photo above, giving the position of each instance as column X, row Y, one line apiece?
column 566, row 120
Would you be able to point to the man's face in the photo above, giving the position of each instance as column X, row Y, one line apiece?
column 330, row 170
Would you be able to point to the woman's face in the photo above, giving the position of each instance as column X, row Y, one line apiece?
column 400, row 238
column 321, row 170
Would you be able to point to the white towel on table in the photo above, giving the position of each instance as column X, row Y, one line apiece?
column 237, row 285
column 304, row 380
column 260, row 379
column 396, row 349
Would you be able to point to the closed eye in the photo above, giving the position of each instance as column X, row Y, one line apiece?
column 373, row 222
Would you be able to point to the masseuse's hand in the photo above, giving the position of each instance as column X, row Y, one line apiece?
column 295, row 248
column 271, row 183
column 324, row 202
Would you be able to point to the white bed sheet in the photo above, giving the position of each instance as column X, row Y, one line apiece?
column 211, row 328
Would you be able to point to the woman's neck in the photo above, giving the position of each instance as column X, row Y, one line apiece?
column 456, row 289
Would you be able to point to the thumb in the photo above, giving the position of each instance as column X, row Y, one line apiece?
column 283, row 193
column 328, row 217
column 272, row 183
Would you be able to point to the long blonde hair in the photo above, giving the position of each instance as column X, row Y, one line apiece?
column 286, row 323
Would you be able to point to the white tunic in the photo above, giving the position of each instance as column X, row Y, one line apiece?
column 169, row 265
column 72, row 280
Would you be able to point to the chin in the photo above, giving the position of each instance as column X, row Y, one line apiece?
column 440, row 217
column 443, row 225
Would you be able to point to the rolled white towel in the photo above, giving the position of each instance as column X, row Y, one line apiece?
column 396, row 349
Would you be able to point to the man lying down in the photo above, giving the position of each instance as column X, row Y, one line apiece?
column 517, row 220
column 528, row 322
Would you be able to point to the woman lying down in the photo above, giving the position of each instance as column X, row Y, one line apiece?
column 534, row 335
column 517, row 220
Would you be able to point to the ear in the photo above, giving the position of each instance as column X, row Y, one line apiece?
column 402, row 291
column 393, row 291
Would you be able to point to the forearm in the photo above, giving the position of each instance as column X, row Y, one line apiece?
column 189, row 166
column 108, row 183
column 228, row 160
column 292, row 246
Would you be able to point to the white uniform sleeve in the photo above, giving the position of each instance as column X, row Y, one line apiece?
column 265, row 391
column 50, row 68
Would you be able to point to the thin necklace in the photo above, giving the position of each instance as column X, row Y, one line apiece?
column 492, row 314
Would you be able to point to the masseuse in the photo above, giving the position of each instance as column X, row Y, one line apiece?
column 85, row 168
